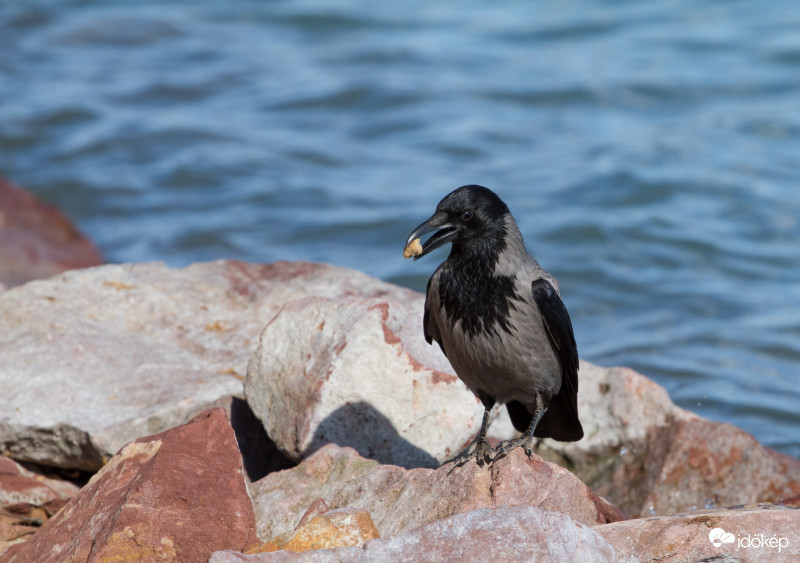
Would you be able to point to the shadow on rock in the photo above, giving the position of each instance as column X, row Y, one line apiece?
column 362, row 427
column 260, row 456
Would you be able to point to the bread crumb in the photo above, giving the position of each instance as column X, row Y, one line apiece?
column 414, row 248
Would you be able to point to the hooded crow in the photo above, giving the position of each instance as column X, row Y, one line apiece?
column 498, row 317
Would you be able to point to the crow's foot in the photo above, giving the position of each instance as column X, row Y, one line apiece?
column 482, row 454
column 503, row 448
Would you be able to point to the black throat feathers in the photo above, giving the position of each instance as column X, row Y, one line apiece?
column 471, row 292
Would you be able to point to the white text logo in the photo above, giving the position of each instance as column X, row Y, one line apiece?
column 718, row 536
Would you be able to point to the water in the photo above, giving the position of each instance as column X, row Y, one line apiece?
column 648, row 150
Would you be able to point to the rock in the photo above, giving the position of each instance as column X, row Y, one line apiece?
column 345, row 527
column 37, row 240
column 92, row 359
column 27, row 500
column 650, row 457
column 401, row 499
column 502, row 534
column 750, row 533
column 792, row 501
column 23, row 491
column 359, row 373
column 176, row 496
column 16, row 529
column 317, row 508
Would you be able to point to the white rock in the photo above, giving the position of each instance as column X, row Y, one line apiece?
column 359, row 373
column 92, row 359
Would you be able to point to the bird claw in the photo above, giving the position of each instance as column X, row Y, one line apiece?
column 504, row 448
column 482, row 454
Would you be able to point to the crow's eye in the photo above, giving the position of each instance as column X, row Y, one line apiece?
column 466, row 216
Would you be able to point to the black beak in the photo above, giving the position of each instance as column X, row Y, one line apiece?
column 444, row 233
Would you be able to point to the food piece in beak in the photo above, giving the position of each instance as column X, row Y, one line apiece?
column 414, row 248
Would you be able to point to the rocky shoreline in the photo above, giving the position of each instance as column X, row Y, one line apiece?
column 227, row 410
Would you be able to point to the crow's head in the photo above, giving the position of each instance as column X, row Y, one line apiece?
column 471, row 217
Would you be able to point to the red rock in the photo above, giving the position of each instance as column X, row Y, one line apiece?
column 175, row 496
column 15, row 529
column 699, row 463
column 687, row 537
column 400, row 499
column 37, row 240
column 22, row 490
column 26, row 501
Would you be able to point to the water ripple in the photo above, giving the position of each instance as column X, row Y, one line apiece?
column 648, row 151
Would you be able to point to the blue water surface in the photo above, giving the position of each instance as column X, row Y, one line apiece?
column 649, row 150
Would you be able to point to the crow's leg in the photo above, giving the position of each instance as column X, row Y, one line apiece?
column 483, row 451
column 526, row 440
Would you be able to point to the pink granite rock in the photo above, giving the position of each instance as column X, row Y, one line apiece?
column 501, row 534
column 649, row 456
column 399, row 499
column 747, row 534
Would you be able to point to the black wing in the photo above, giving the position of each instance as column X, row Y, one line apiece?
column 561, row 419
column 429, row 326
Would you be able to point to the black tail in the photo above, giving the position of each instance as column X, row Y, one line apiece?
column 560, row 420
